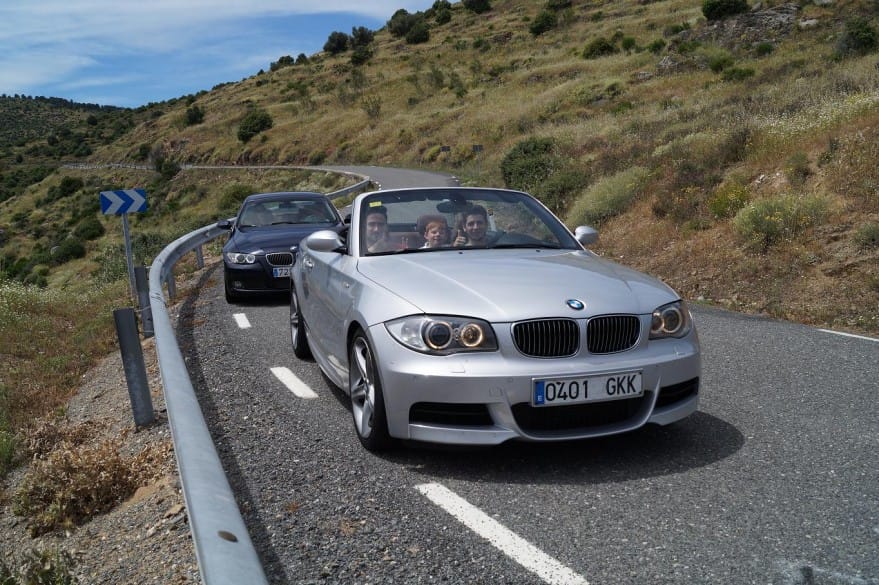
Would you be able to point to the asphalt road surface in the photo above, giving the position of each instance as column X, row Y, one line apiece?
column 774, row 481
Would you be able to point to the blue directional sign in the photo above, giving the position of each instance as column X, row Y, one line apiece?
column 123, row 201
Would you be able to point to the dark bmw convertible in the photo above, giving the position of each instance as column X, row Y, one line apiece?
column 257, row 257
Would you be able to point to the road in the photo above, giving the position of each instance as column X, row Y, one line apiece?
column 774, row 480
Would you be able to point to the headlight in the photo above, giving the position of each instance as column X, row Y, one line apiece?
column 671, row 320
column 239, row 258
column 442, row 335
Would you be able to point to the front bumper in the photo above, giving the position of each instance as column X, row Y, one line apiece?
column 253, row 279
column 485, row 398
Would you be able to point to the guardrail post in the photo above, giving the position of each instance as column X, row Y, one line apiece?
column 199, row 257
column 135, row 370
column 143, row 302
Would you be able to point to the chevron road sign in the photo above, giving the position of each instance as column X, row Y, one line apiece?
column 123, row 201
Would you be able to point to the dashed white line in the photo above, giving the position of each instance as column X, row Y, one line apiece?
column 294, row 384
column 850, row 335
column 241, row 319
column 512, row 545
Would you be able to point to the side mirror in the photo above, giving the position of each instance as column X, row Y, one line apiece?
column 586, row 235
column 224, row 224
column 324, row 241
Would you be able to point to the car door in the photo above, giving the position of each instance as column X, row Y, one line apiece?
column 327, row 291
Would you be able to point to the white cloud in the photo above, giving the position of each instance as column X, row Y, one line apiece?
column 73, row 44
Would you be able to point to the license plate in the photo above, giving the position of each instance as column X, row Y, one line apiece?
column 281, row 272
column 579, row 389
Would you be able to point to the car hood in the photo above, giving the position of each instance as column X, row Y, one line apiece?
column 268, row 239
column 512, row 285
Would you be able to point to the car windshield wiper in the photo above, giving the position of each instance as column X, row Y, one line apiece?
column 284, row 222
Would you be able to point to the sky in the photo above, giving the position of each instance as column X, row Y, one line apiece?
column 132, row 52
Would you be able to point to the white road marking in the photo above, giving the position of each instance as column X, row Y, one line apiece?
column 850, row 335
column 294, row 384
column 242, row 321
column 512, row 545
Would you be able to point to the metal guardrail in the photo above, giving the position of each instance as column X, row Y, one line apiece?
column 223, row 547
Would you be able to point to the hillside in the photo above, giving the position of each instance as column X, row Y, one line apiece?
column 734, row 158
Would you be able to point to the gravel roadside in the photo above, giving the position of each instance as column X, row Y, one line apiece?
column 146, row 538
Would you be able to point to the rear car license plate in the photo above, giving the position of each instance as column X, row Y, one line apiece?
column 281, row 272
column 579, row 389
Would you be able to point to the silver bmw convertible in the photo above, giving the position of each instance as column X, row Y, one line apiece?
column 474, row 316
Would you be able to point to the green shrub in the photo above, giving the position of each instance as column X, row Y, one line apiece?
column 559, row 189
column 719, row 59
column 737, row 73
column 361, row 55
column 608, row 197
column 867, row 236
column 656, row 46
column 728, row 199
column 768, row 221
column 419, row 33
column 40, row 568
column 477, row 6
column 231, row 198
column 256, row 121
column 599, row 47
column 194, row 115
column 67, row 187
column 545, row 22
column 528, row 163
column 763, row 49
column 859, row 38
column 717, row 9
column 797, row 169
column 90, row 228
column 69, row 249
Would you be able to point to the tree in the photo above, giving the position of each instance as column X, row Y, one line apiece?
column 336, row 43
column 361, row 36
column 401, row 23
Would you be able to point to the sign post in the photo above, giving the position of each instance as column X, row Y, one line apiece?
column 122, row 203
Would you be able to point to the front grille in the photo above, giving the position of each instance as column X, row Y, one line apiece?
column 575, row 416
column 547, row 337
column 279, row 258
column 612, row 333
column 439, row 413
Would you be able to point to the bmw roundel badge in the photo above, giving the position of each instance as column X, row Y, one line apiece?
column 576, row 304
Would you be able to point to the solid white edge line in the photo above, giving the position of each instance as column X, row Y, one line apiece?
column 850, row 335
column 294, row 384
column 241, row 320
column 512, row 545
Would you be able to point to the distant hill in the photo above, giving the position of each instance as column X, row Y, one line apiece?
column 731, row 154
column 24, row 118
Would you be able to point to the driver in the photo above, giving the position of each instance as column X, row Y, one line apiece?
column 377, row 239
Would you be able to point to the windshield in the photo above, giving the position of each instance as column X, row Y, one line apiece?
column 262, row 213
column 427, row 220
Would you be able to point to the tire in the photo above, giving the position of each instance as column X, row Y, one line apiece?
column 367, row 399
column 298, row 337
